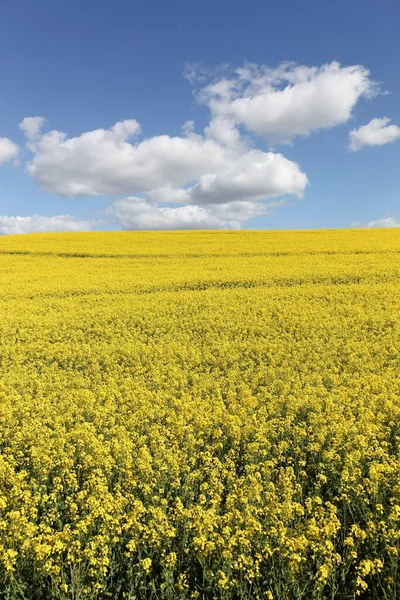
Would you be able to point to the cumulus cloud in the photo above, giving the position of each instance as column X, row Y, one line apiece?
column 8, row 150
column 104, row 161
column 37, row 224
column 254, row 175
column 224, row 130
column 240, row 211
column 377, row 132
column 284, row 102
column 32, row 126
column 191, row 169
column 138, row 213
column 168, row 195
column 384, row 222
column 218, row 178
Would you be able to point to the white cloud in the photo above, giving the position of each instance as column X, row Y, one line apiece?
column 240, row 211
column 37, row 223
column 224, row 131
column 137, row 213
column 287, row 101
column 253, row 176
column 192, row 170
column 168, row 195
column 31, row 126
column 216, row 179
column 384, row 222
column 376, row 133
column 8, row 150
column 105, row 162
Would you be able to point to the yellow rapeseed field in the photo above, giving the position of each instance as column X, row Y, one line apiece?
column 200, row 415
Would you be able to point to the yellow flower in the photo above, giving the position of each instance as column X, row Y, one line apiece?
column 146, row 564
column 170, row 560
column 223, row 401
column 223, row 581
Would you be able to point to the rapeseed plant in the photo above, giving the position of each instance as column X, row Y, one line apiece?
column 200, row 415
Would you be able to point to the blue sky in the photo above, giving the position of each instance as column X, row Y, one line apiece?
column 271, row 150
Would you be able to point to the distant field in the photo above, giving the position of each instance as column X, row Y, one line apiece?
column 200, row 415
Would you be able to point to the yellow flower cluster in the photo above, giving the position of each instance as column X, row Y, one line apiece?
column 200, row 415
